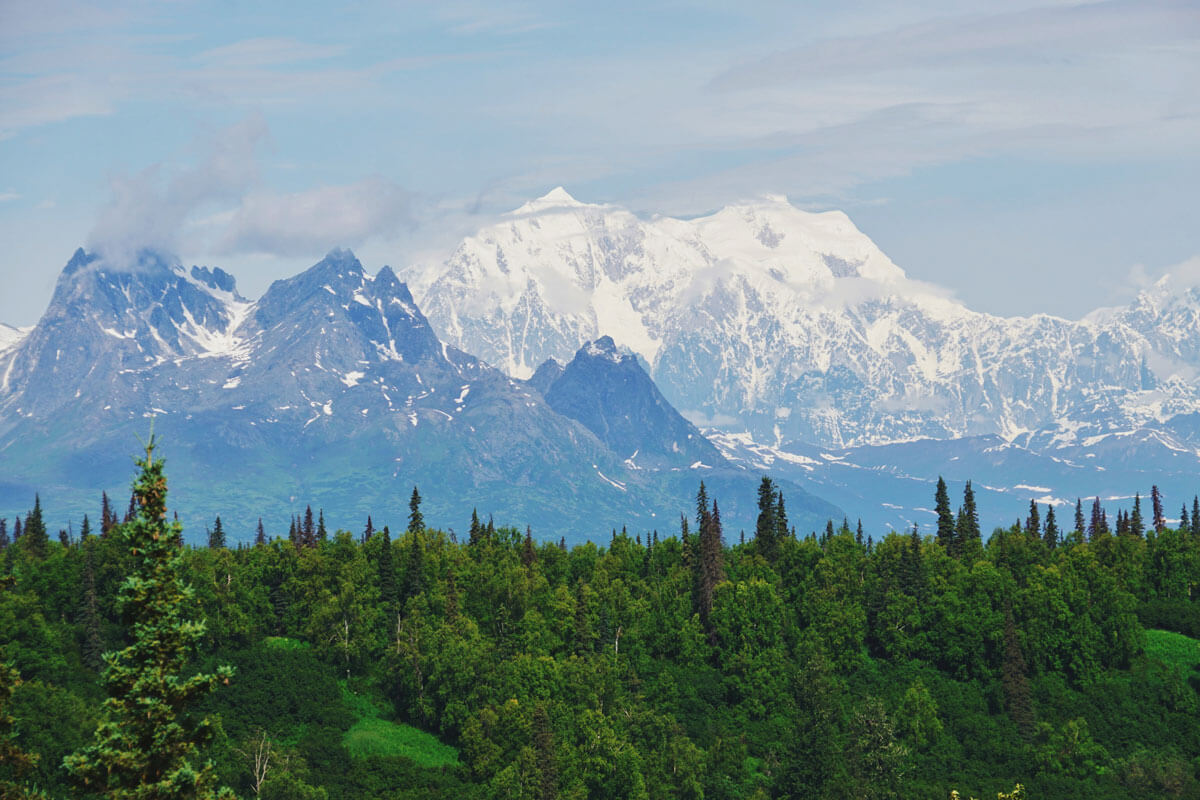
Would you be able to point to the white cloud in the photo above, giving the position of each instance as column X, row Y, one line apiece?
column 150, row 208
column 313, row 221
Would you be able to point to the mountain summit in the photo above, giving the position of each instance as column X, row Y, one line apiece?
column 793, row 325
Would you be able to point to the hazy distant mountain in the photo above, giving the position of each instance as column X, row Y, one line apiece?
column 794, row 326
column 332, row 389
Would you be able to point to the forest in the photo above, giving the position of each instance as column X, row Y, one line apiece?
column 1052, row 659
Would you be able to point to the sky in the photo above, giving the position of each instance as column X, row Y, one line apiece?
column 1029, row 156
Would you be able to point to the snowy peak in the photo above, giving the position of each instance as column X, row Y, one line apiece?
column 793, row 325
column 558, row 197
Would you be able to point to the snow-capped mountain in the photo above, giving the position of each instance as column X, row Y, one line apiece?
column 331, row 389
column 794, row 326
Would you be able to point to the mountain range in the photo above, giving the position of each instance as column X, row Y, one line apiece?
column 333, row 390
column 582, row 368
column 797, row 345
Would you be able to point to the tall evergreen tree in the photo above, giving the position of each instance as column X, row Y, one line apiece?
column 1050, row 536
column 712, row 570
column 4, row 541
column 147, row 742
column 945, row 518
column 1079, row 523
column 260, row 535
column 767, row 527
column 476, row 531
column 387, row 569
column 16, row 528
column 1033, row 523
column 414, row 574
column 107, row 517
column 1160, row 522
column 36, row 541
column 1137, row 527
column 369, row 530
column 543, row 744
column 216, row 537
column 308, row 533
column 416, row 522
column 781, row 518
column 1018, row 698
column 1099, row 522
column 1185, row 526
column 294, row 533
column 529, row 555
column 85, row 529
column 322, row 534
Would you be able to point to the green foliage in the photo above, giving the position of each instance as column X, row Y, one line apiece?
column 1174, row 649
column 652, row 666
column 146, row 742
column 374, row 736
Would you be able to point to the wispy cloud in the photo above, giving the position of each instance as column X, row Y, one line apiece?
column 1048, row 34
column 315, row 220
column 217, row 206
column 148, row 209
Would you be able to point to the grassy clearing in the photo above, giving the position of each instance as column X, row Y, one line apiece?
column 1174, row 648
column 373, row 735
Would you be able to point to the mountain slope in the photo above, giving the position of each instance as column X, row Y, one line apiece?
column 332, row 389
column 794, row 326
column 614, row 398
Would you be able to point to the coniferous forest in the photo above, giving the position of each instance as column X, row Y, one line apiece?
column 1060, row 655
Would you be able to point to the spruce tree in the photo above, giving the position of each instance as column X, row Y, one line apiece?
column 1098, row 523
column 712, row 570
column 543, row 743
column 414, row 575
column 1185, row 525
column 1018, row 698
column 147, row 741
column 309, row 531
column 216, row 537
column 781, row 519
column 416, row 522
column 107, row 517
column 945, row 518
column 1137, row 527
column 36, row 542
column 322, row 534
column 4, row 533
column 16, row 528
column 1033, row 523
column 85, row 529
column 1051, row 532
column 476, row 531
column 1160, row 522
column 767, row 526
column 260, row 535
column 529, row 555
column 387, row 569
column 1079, row 524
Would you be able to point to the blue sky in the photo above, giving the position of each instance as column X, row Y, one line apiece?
column 1032, row 157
